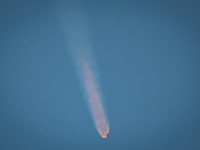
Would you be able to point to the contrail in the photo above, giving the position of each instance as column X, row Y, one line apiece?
column 77, row 35
column 95, row 100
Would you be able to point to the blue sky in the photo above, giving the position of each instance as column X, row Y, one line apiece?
column 148, row 59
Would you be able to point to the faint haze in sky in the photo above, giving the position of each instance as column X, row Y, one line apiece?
column 148, row 59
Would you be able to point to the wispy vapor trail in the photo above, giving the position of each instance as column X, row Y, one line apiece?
column 78, row 41
column 95, row 100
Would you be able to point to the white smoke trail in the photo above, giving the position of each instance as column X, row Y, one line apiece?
column 77, row 33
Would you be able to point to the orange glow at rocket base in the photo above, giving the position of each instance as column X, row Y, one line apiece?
column 95, row 100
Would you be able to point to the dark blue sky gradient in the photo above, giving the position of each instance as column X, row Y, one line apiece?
column 148, row 57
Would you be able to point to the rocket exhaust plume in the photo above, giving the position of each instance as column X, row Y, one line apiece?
column 95, row 101
column 77, row 33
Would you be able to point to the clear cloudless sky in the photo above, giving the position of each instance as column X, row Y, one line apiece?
column 148, row 58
